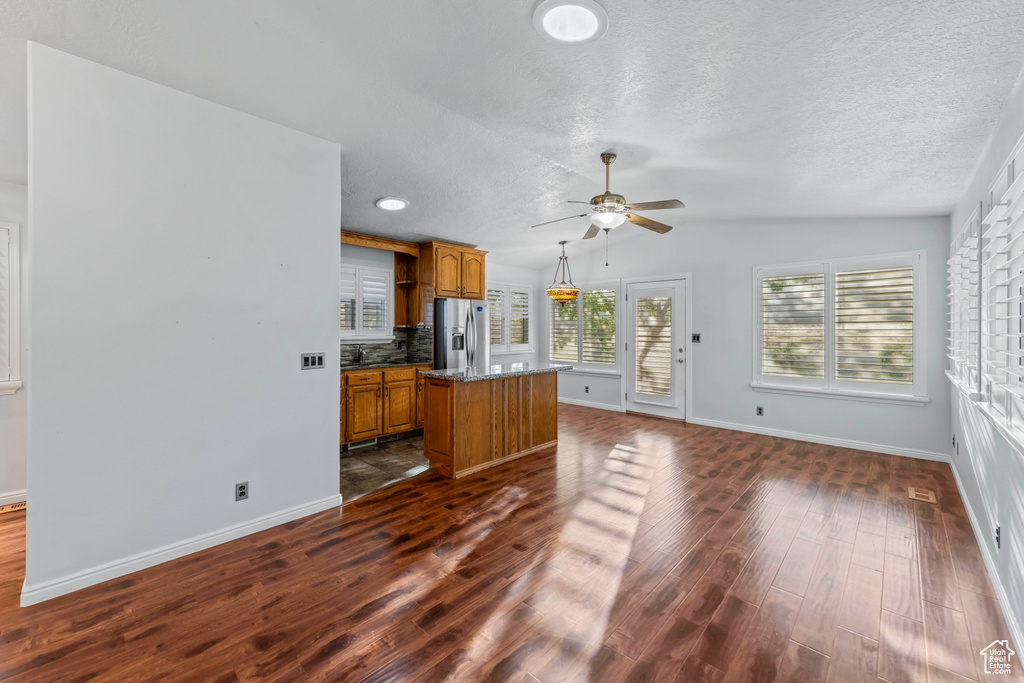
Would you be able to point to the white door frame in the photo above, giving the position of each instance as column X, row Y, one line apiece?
column 687, row 340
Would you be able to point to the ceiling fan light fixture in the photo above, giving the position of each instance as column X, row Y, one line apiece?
column 570, row 21
column 564, row 291
column 608, row 220
column 392, row 203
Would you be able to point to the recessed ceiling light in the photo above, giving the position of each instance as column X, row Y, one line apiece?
column 570, row 21
column 392, row 203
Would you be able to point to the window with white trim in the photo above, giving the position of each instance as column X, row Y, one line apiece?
column 847, row 328
column 583, row 331
column 10, row 301
column 367, row 305
column 510, row 318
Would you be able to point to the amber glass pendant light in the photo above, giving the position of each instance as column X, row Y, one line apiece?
column 565, row 290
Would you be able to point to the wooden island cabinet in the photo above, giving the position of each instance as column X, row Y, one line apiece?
column 481, row 418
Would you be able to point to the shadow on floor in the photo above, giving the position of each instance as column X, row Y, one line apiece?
column 368, row 469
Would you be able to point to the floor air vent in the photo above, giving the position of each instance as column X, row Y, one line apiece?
column 922, row 495
column 362, row 444
column 13, row 507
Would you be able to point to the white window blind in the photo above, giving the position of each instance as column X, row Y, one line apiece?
column 875, row 325
column 599, row 326
column 10, row 344
column 367, row 304
column 510, row 317
column 1002, row 295
column 498, row 299
column 793, row 325
column 963, row 324
column 654, row 345
column 565, row 331
column 847, row 328
column 519, row 317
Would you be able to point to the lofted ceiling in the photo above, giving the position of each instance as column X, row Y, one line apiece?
column 740, row 108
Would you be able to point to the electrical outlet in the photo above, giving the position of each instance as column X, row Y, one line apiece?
column 695, row 338
column 312, row 361
column 586, row 390
column 998, row 537
column 760, row 411
column 242, row 490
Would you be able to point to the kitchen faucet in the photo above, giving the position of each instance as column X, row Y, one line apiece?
column 359, row 353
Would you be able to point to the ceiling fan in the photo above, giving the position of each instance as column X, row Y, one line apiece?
column 611, row 210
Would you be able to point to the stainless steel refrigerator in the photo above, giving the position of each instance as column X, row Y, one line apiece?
column 462, row 334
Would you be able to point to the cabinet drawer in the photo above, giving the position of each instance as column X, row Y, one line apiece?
column 399, row 374
column 365, row 377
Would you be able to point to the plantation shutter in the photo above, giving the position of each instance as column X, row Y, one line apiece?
column 374, row 289
column 565, row 331
column 874, row 332
column 1002, row 270
column 654, row 345
column 793, row 326
column 348, row 300
column 519, row 317
column 497, row 299
column 6, row 296
column 963, row 324
column 599, row 326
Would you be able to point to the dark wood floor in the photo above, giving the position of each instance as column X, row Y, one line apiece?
column 646, row 550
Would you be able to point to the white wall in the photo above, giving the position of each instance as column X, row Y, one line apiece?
column 990, row 472
column 721, row 255
column 183, row 256
column 14, row 209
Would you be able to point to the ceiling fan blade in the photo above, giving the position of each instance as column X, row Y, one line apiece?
column 657, row 227
column 573, row 201
column 560, row 219
column 651, row 206
column 592, row 232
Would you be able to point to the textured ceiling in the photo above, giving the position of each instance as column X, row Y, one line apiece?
column 740, row 108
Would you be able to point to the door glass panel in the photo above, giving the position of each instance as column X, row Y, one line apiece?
column 654, row 345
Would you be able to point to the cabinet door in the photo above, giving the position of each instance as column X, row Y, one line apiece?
column 364, row 412
column 472, row 276
column 421, row 408
column 447, row 267
column 399, row 406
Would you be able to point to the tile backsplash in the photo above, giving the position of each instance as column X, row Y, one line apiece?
column 411, row 345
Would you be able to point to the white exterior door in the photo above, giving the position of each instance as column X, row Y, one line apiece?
column 655, row 348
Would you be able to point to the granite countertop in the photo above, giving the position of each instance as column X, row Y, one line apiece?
column 379, row 366
column 495, row 371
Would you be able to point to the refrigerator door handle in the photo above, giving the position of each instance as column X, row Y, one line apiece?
column 470, row 337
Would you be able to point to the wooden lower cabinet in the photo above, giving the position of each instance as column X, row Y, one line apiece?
column 399, row 406
column 474, row 425
column 421, row 398
column 365, row 418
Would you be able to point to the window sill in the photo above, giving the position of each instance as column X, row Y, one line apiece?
column 873, row 397
column 577, row 370
column 511, row 353
column 386, row 339
column 8, row 388
column 964, row 389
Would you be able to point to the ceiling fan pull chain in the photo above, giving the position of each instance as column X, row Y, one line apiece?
column 606, row 231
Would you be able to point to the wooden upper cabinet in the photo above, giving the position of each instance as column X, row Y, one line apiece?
column 447, row 271
column 472, row 275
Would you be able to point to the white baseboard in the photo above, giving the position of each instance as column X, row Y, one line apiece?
column 12, row 497
column 1013, row 614
column 591, row 404
column 826, row 440
column 31, row 595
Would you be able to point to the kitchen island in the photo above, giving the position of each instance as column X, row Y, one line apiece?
column 481, row 417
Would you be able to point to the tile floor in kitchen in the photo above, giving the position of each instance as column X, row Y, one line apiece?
column 367, row 469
